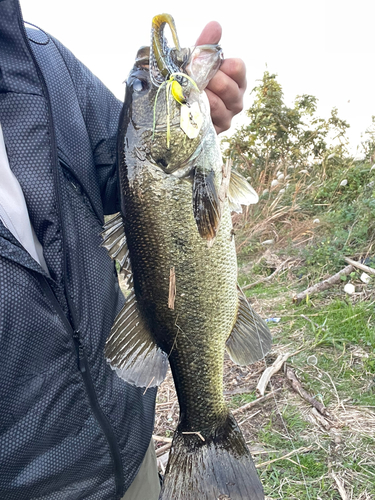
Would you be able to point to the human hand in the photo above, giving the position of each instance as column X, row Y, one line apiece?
column 226, row 89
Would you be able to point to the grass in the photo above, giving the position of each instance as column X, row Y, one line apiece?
column 336, row 333
column 340, row 337
column 316, row 226
column 241, row 399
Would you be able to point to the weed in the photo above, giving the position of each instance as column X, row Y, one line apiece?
column 241, row 399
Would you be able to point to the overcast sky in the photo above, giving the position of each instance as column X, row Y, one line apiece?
column 323, row 48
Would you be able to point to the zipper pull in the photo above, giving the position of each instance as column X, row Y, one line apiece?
column 81, row 352
column 81, row 359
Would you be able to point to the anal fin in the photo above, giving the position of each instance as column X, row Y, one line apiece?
column 250, row 339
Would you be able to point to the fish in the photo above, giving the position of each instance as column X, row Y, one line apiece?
column 175, row 245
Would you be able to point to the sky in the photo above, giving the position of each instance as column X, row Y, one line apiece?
column 322, row 48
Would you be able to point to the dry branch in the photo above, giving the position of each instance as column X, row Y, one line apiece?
column 255, row 402
column 267, row 278
column 249, row 417
column 197, row 433
column 367, row 269
column 284, row 457
column 160, row 451
column 323, row 285
column 297, row 387
column 270, row 371
column 340, row 486
column 320, row 419
column 163, row 439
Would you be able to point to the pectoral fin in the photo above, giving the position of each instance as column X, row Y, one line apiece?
column 240, row 192
column 206, row 204
column 250, row 339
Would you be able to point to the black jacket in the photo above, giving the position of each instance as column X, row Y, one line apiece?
column 69, row 427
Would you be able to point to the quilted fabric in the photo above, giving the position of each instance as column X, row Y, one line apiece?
column 59, row 439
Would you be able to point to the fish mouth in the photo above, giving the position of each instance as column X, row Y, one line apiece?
column 164, row 61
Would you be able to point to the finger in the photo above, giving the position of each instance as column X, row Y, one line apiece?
column 233, row 69
column 226, row 90
column 211, row 34
column 230, row 89
column 220, row 115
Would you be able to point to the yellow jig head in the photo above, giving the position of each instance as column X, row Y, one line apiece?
column 177, row 93
column 173, row 88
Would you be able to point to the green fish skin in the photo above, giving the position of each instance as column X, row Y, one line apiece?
column 185, row 307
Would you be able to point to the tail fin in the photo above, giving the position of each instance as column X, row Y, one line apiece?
column 217, row 466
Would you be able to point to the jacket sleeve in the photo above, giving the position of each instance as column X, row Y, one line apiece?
column 101, row 111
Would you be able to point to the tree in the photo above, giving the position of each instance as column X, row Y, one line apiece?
column 279, row 136
column 368, row 146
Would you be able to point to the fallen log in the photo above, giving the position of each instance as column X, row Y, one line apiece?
column 360, row 266
column 323, row 285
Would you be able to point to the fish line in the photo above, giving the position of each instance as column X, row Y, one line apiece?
column 274, row 398
column 179, row 329
column 175, row 339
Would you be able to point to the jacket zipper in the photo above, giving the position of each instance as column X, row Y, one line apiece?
column 83, row 365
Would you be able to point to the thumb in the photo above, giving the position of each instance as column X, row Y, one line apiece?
column 211, row 34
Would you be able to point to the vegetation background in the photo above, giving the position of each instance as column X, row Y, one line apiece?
column 316, row 207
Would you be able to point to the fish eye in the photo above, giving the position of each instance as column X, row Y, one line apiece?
column 138, row 85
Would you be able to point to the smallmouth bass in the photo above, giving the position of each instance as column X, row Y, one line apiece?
column 179, row 255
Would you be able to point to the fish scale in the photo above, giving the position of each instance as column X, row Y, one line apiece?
column 206, row 300
column 185, row 307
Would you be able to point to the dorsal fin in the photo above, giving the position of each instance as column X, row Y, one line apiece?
column 130, row 348
column 114, row 241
